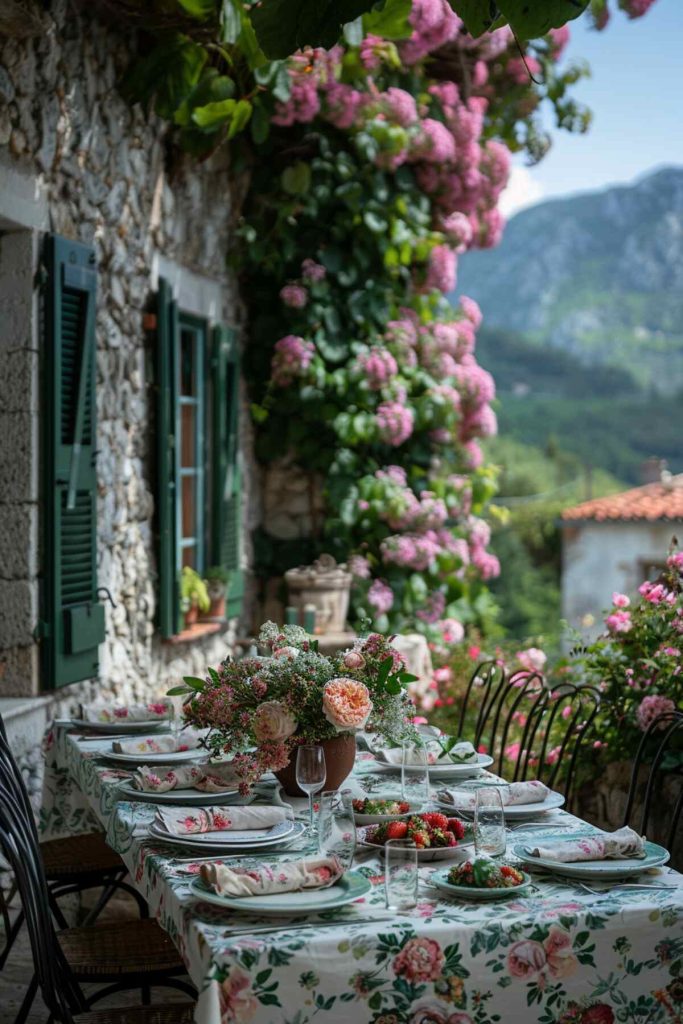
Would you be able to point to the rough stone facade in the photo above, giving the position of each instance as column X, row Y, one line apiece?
column 77, row 160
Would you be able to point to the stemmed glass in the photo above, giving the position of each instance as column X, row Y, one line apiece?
column 310, row 774
column 415, row 772
column 489, row 822
column 337, row 827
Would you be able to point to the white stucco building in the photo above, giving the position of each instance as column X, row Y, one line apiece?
column 613, row 544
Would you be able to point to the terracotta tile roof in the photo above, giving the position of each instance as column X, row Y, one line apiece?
column 661, row 500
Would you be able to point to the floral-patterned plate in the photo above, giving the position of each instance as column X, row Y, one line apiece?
column 226, row 838
column 467, row 892
column 352, row 886
column 595, row 869
column 124, row 728
column 427, row 855
column 443, row 769
column 178, row 797
column 515, row 812
column 149, row 757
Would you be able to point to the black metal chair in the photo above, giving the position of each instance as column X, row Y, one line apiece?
column 131, row 954
column 661, row 737
column 72, row 864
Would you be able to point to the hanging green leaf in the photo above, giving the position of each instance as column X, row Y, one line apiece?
column 296, row 179
column 478, row 15
column 284, row 26
column 390, row 21
column 240, row 118
column 213, row 115
column 531, row 20
column 211, row 88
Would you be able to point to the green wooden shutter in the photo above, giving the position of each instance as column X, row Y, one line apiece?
column 226, row 469
column 167, row 347
column 73, row 620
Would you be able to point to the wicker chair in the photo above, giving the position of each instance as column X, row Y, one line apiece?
column 135, row 954
column 653, row 748
column 72, row 864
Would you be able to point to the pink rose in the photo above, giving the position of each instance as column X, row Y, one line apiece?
column 238, row 1002
column 346, row 704
column 532, row 659
column 558, row 947
column 420, row 959
column 353, row 659
column 526, row 958
column 272, row 721
column 620, row 600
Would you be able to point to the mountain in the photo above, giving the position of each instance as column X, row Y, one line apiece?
column 598, row 275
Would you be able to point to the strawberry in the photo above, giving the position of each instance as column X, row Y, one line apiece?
column 456, row 827
column 435, row 819
column 441, row 838
column 403, row 807
column 397, row 830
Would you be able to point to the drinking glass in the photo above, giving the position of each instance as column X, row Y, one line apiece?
column 310, row 774
column 400, row 874
column 489, row 822
column 415, row 772
column 336, row 826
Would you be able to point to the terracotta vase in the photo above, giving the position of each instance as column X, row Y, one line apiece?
column 340, row 753
column 191, row 616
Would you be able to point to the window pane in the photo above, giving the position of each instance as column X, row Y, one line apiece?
column 189, row 509
column 190, row 556
column 188, row 369
column 188, row 421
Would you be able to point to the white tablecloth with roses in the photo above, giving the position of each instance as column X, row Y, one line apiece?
column 558, row 955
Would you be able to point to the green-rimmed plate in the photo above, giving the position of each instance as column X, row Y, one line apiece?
column 352, row 886
column 466, row 892
column 593, row 869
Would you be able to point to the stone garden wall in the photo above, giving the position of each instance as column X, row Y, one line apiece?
column 101, row 172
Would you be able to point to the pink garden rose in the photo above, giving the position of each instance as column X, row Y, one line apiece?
column 238, row 1002
column 421, row 959
column 526, row 958
column 651, row 707
column 294, row 295
column 272, row 721
column 346, row 704
column 353, row 660
column 619, row 622
column 532, row 659
column 620, row 600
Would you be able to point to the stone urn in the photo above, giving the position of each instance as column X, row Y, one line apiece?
column 325, row 585
column 340, row 754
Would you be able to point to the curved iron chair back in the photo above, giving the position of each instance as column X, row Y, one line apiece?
column 665, row 727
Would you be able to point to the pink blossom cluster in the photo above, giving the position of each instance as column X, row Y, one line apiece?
column 378, row 366
column 411, row 551
column 312, row 271
column 394, row 422
column 434, row 24
column 291, row 359
column 656, row 593
column 380, row 596
column 652, row 707
column 294, row 296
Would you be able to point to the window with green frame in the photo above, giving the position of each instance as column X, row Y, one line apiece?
column 199, row 481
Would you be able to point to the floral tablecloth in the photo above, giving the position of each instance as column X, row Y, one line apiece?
column 559, row 954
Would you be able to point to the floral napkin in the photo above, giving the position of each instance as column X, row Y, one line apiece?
column 532, row 792
column 184, row 822
column 462, row 753
column 394, row 755
column 157, row 711
column 188, row 739
column 312, row 873
column 204, row 779
column 624, row 844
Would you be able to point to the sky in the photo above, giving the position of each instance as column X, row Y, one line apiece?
column 636, row 95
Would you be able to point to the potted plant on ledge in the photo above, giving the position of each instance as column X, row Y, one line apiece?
column 194, row 596
column 217, row 579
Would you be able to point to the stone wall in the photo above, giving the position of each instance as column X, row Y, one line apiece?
column 98, row 171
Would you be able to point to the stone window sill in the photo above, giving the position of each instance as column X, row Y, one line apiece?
column 194, row 633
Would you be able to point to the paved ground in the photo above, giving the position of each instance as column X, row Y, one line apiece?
column 19, row 968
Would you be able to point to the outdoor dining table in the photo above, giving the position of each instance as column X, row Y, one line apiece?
column 557, row 953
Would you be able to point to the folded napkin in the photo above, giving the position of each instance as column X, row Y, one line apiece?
column 157, row 711
column 184, row 822
column 532, row 792
column 624, row 844
column 314, row 873
column 461, row 753
column 394, row 755
column 204, row 779
column 187, row 740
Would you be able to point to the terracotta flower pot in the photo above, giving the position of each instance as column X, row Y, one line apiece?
column 191, row 616
column 340, row 753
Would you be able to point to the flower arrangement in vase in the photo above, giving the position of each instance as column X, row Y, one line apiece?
column 260, row 710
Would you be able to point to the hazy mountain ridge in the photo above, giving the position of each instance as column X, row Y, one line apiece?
column 599, row 275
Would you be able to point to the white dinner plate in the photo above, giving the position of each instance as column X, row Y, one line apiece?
column 122, row 728
column 352, row 886
column 425, row 856
column 442, row 769
column 516, row 812
column 252, row 837
column 593, row 869
column 150, row 758
column 178, row 797
column 466, row 892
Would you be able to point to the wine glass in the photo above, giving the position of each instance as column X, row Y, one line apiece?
column 400, row 874
column 415, row 772
column 337, row 827
column 310, row 774
column 489, row 822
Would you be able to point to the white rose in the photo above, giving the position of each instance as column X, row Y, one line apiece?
column 272, row 721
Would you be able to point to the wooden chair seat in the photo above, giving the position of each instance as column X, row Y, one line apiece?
column 78, row 855
column 171, row 1013
column 107, row 952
